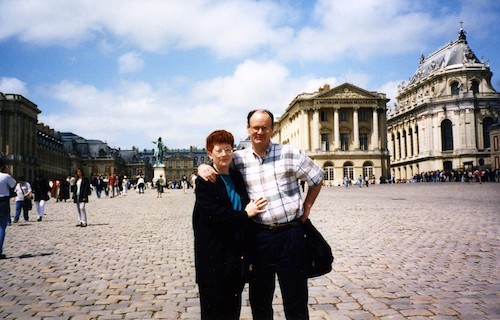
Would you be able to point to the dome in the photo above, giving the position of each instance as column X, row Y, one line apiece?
column 455, row 54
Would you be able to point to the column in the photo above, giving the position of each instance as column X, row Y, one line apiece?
column 415, row 140
column 375, row 144
column 355, row 121
column 315, row 131
column 305, row 145
column 336, row 128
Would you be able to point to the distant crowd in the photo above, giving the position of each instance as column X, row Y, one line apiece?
column 478, row 175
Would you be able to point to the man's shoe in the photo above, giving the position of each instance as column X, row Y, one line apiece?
column 2, row 256
column 39, row 219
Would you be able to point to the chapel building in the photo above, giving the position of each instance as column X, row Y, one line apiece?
column 342, row 129
column 443, row 114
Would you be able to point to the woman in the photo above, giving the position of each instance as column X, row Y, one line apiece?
column 221, row 214
column 41, row 190
column 24, row 192
column 81, row 193
column 6, row 184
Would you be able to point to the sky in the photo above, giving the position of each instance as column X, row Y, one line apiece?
column 129, row 71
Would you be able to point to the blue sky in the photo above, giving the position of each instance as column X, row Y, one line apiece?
column 129, row 71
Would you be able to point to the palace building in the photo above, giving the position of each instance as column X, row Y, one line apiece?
column 342, row 129
column 443, row 114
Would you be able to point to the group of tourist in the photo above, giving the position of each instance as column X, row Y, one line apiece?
column 39, row 192
column 248, row 223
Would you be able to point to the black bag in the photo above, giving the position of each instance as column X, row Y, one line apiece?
column 28, row 204
column 319, row 252
column 12, row 192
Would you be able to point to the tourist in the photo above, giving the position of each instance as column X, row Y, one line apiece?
column 160, row 183
column 23, row 199
column 222, row 213
column 140, row 184
column 6, row 184
column 81, row 193
column 41, row 190
column 273, row 169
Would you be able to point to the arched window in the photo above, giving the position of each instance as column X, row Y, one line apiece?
column 368, row 169
column 487, row 123
column 404, row 144
column 455, row 88
column 447, row 165
column 399, row 145
column 446, row 135
column 329, row 171
column 474, row 86
column 349, row 170
column 393, row 147
column 410, row 136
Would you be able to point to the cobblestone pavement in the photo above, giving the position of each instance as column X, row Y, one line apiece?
column 412, row 251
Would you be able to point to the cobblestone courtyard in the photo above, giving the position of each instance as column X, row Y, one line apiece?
column 411, row 251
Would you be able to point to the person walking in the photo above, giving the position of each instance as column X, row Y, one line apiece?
column 221, row 214
column 124, row 185
column 279, row 249
column 23, row 199
column 140, row 184
column 160, row 183
column 81, row 193
column 41, row 190
column 6, row 184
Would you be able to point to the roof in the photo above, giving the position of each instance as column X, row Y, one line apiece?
column 455, row 54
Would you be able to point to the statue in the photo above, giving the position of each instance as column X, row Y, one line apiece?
column 159, row 151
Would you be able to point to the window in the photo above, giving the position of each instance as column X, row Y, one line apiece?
column 329, row 172
column 325, row 142
column 410, row 134
column 447, row 165
column 455, row 88
column 343, row 115
column 404, row 144
column 474, row 86
column 446, row 135
column 368, row 169
column 344, row 141
column 363, row 141
column 393, row 146
column 349, row 170
column 487, row 123
column 362, row 115
column 324, row 116
column 399, row 145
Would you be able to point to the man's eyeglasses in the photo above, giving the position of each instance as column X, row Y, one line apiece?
column 257, row 129
column 227, row 151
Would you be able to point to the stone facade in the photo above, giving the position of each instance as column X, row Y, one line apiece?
column 442, row 115
column 18, row 134
column 341, row 129
column 495, row 146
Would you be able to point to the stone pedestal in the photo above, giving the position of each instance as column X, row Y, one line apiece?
column 157, row 171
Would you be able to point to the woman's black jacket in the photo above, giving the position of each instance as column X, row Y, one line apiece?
column 219, row 231
column 85, row 191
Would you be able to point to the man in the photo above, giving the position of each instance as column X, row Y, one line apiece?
column 272, row 170
column 6, row 183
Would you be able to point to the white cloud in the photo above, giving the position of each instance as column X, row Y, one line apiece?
column 13, row 85
column 226, row 28
column 130, row 62
column 135, row 112
column 391, row 90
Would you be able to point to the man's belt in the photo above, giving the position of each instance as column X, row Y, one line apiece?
column 278, row 226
